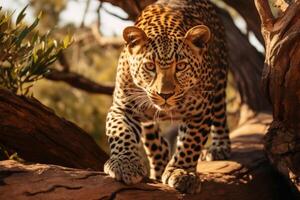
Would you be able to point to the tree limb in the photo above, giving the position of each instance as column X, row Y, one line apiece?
column 115, row 15
column 266, row 16
column 235, row 180
column 88, row 2
column 248, row 12
column 36, row 134
column 64, row 62
column 80, row 82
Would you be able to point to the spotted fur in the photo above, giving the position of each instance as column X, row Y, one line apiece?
column 174, row 66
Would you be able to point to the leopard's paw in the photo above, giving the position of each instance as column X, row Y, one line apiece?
column 216, row 153
column 182, row 180
column 122, row 168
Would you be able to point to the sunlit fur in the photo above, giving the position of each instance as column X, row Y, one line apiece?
column 173, row 67
column 165, row 53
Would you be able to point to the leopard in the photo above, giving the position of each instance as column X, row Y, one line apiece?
column 174, row 66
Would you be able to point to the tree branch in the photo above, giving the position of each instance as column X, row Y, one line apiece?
column 248, row 12
column 99, row 16
column 247, row 171
column 245, row 64
column 36, row 134
column 130, row 6
column 266, row 16
column 64, row 62
column 94, row 35
column 80, row 82
column 115, row 15
column 88, row 2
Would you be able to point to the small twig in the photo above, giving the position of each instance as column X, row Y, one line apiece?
column 137, row 4
column 288, row 15
column 115, row 15
column 99, row 16
column 64, row 63
column 85, row 12
column 265, row 14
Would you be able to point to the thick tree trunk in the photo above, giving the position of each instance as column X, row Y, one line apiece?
column 248, row 176
column 38, row 135
column 281, row 84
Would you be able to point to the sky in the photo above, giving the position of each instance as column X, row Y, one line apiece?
column 110, row 25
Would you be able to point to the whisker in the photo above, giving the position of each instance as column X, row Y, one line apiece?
column 138, row 104
column 142, row 104
column 156, row 116
column 171, row 115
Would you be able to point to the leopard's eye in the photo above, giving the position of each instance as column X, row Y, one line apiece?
column 150, row 66
column 181, row 66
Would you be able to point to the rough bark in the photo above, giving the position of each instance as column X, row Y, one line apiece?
column 247, row 176
column 38, row 135
column 281, row 84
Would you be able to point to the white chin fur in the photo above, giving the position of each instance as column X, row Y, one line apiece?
column 158, row 107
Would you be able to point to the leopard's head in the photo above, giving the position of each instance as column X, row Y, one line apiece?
column 166, row 66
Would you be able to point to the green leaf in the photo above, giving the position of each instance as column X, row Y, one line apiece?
column 34, row 24
column 49, row 50
column 35, row 57
column 67, row 41
column 22, row 35
column 4, row 25
column 21, row 15
column 35, row 37
column 25, row 60
column 24, row 70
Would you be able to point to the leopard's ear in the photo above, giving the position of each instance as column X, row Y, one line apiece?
column 197, row 37
column 135, row 38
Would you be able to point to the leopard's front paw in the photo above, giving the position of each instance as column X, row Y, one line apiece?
column 216, row 153
column 182, row 180
column 122, row 168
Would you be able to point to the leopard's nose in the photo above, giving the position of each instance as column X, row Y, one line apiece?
column 166, row 95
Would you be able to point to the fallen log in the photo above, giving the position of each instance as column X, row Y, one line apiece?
column 34, row 132
column 247, row 176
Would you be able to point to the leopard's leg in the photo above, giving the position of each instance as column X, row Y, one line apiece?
column 157, row 149
column 125, row 163
column 180, row 172
column 220, row 147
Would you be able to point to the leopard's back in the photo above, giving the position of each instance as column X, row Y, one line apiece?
column 176, row 17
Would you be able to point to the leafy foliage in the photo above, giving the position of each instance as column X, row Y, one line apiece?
column 25, row 55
